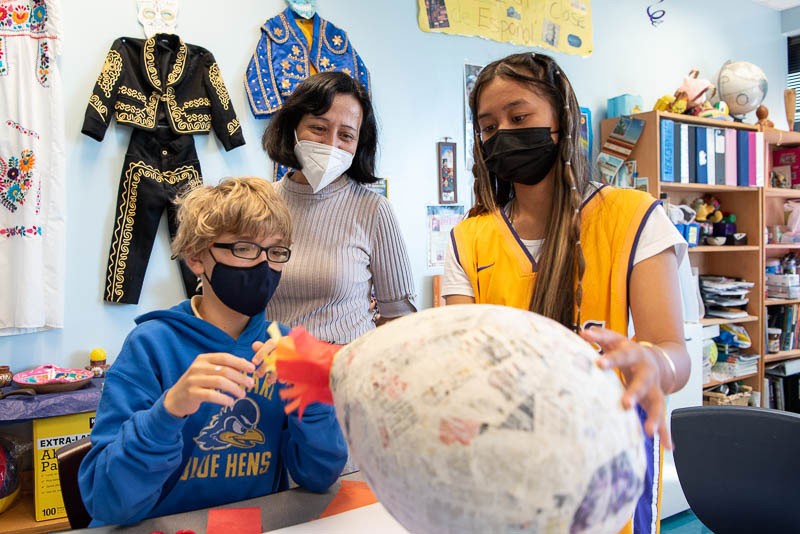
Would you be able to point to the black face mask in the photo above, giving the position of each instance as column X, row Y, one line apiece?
column 522, row 155
column 246, row 290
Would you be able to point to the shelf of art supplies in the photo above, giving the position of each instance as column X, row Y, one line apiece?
column 772, row 202
column 715, row 383
column 725, row 248
column 746, row 202
column 781, row 356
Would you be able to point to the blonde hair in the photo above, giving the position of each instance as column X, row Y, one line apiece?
column 558, row 291
column 246, row 206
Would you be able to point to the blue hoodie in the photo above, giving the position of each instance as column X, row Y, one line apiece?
column 144, row 462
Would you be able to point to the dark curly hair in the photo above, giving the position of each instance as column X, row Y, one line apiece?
column 315, row 95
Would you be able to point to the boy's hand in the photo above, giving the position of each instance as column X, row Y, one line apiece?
column 262, row 360
column 205, row 381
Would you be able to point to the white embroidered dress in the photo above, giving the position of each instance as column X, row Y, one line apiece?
column 32, row 206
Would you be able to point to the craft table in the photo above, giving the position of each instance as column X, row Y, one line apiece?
column 290, row 511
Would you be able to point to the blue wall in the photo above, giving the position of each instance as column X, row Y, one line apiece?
column 417, row 90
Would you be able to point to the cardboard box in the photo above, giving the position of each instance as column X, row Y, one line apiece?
column 49, row 435
column 783, row 292
column 785, row 280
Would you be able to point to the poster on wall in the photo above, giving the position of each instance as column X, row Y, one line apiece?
column 619, row 146
column 381, row 187
column 470, row 76
column 586, row 134
column 561, row 25
column 446, row 166
column 441, row 219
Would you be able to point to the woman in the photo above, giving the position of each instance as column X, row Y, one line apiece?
column 346, row 239
column 542, row 237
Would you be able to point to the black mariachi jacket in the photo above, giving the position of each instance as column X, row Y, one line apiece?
column 139, row 75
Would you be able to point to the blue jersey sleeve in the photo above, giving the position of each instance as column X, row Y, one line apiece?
column 136, row 443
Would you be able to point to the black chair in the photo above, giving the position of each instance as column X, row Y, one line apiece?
column 69, row 460
column 739, row 467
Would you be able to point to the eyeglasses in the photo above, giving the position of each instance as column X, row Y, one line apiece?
column 250, row 251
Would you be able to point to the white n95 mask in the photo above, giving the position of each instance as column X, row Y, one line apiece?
column 321, row 164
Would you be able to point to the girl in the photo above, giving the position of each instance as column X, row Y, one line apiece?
column 542, row 237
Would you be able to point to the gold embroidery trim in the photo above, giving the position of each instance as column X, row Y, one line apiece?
column 216, row 80
column 98, row 106
column 327, row 44
column 123, row 228
column 140, row 116
column 110, row 73
column 150, row 62
column 180, row 63
column 233, row 126
column 133, row 93
column 274, row 35
column 196, row 103
column 186, row 122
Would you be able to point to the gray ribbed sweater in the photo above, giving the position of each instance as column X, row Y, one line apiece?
column 345, row 240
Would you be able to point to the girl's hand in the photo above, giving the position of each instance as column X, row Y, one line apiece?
column 642, row 373
column 208, row 379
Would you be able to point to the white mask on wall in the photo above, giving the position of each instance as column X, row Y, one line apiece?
column 158, row 16
column 304, row 8
column 321, row 164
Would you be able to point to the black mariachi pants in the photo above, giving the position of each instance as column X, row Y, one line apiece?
column 158, row 167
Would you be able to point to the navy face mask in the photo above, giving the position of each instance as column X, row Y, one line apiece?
column 246, row 290
column 521, row 155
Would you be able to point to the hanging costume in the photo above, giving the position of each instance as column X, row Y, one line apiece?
column 166, row 90
column 32, row 167
column 288, row 52
column 502, row 271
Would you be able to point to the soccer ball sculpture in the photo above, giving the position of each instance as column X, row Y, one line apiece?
column 479, row 418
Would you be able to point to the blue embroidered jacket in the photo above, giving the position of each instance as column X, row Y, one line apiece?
column 281, row 60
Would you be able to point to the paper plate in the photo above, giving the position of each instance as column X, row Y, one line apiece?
column 49, row 378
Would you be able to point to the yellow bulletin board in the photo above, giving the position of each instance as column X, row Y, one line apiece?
column 562, row 25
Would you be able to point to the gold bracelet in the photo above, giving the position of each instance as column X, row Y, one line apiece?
column 670, row 363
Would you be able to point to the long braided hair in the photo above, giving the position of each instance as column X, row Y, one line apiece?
column 558, row 292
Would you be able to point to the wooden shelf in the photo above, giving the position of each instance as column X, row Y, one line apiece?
column 21, row 517
column 674, row 186
column 781, row 193
column 781, row 246
column 780, row 302
column 716, row 123
column 715, row 383
column 782, row 138
column 709, row 321
column 782, row 355
column 724, row 248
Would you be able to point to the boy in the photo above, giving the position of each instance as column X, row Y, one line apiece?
column 182, row 424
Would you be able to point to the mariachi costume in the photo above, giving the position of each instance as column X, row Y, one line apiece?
column 32, row 168
column 167, row 91
column 288, row 52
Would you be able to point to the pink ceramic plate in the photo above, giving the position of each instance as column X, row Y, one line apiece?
column 49, row 378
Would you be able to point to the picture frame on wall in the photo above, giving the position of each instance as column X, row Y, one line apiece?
column 381, row 187
column 446, row 167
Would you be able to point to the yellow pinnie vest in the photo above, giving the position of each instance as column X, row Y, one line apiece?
column 503, row 272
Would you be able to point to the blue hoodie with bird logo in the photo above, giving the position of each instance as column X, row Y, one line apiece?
column 144, row 462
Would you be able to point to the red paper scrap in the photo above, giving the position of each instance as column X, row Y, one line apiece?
column 234, row 521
